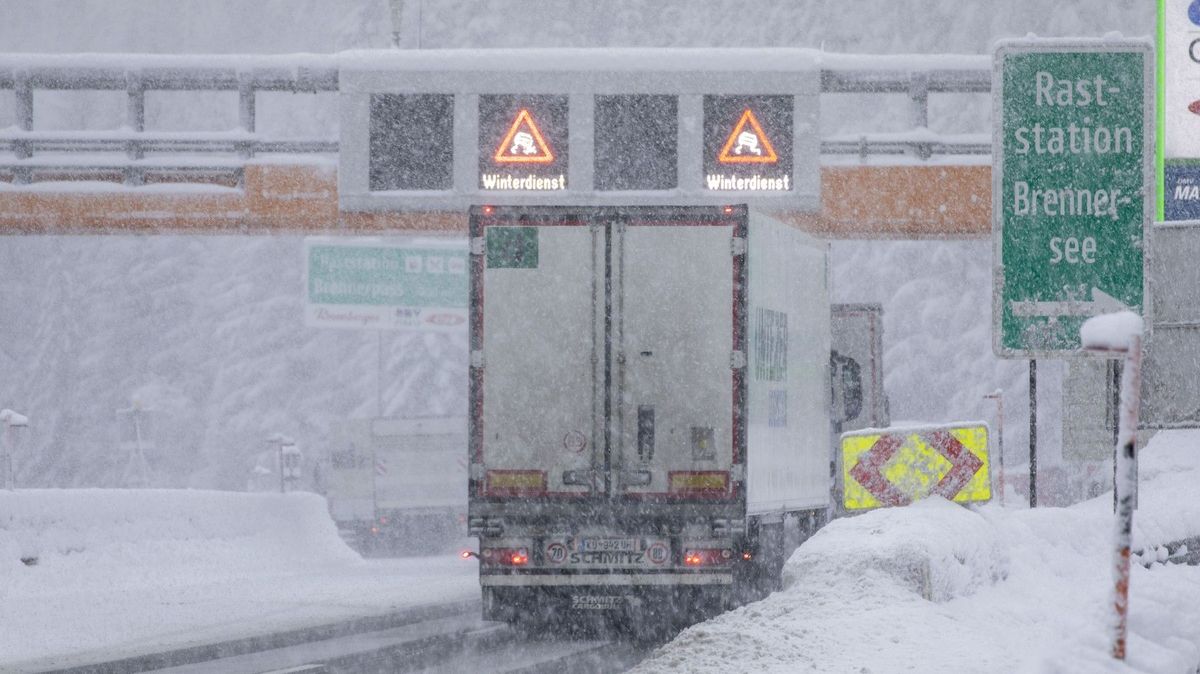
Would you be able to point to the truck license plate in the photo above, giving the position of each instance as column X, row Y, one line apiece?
column 596, row 602
column 609, row 545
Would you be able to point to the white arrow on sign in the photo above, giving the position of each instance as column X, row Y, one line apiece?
column 1102, row 303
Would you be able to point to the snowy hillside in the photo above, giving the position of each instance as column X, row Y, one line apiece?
column 209, row 330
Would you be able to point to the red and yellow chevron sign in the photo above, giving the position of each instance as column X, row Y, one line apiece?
column 893, row 468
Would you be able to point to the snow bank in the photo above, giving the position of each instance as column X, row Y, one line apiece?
column 938, row 588
column 940, row 552
column 1170, row 509
column 126, row 573
column 90, row 530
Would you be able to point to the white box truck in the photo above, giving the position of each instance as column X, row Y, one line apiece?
column 859, row 400
column 649, row 406
column 395, row 486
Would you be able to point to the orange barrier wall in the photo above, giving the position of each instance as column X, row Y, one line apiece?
column 858, row 202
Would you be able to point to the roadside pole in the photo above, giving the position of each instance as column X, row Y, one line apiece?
column 1032, row 433
column 1121, row 335
column 998, row 396
column 11, row 420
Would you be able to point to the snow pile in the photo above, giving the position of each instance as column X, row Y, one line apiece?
column 123, row 573
column 1170, row 510
column 944, row 552
column 85, row 531
column 1013, row 590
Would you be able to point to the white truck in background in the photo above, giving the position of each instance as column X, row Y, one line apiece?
column 856, row 366
column 398, row 486
column 649, row 407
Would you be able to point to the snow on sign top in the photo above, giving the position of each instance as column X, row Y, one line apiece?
column 575, row 60
column 1111, row 332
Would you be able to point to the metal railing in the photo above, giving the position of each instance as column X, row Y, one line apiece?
column 84, row 154
column 134, row 153
column 917, row 85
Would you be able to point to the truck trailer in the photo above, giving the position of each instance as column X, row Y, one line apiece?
column 395, row 486
column 649, row 393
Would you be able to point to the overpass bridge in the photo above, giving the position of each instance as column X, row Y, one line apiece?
column 914, row 183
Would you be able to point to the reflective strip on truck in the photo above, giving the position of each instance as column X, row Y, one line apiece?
column 698, row 483
column 515, row 482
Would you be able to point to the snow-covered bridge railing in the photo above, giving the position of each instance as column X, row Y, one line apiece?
column 132, row 152
column 76, row 154
column 914, row 76
column 204, row 119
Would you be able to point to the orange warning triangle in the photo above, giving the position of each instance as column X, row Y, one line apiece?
column 523, row 144
column 747, row 145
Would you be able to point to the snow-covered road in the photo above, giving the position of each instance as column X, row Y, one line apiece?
column 933, row 587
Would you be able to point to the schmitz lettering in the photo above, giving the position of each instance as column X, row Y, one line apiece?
column 610, row 557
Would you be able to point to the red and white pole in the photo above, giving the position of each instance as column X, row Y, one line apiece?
column 1126, row 485
column 1122, row 334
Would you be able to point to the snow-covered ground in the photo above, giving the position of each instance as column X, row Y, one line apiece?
column 121, row 573
column 933, row 587
column 936, row 587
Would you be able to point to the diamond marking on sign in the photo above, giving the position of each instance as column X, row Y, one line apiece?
column 883, row 469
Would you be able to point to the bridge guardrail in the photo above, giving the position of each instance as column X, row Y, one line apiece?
column 134, row 153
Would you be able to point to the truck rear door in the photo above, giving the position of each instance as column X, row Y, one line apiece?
column 675, row 346
column 534, row 422
column 607, row 354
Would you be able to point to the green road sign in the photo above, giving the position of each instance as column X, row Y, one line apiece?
column 377, row 285
column 1072, row 195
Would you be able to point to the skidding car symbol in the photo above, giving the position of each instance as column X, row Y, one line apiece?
column 747, row 142
column 523, row 142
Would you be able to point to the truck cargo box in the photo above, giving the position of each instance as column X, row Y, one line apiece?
column 645, row 383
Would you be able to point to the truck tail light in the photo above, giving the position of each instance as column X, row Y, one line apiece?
column 698, row 483
column 515, row 483
column 505, row 556
column 707, row 556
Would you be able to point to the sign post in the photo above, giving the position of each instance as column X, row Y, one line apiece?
column 1072, row 189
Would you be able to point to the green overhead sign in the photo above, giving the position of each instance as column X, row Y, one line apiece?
column 1072, row 193
column 378, row 285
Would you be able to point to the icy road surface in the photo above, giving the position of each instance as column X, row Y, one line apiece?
column 936, row 587
column 122, row 573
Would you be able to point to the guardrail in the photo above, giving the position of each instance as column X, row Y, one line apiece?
column 134, row 154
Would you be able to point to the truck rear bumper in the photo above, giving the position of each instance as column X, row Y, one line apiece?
column 605, row 580
column 636, row 608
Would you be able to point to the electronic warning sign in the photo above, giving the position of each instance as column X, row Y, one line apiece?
column 523, row 143
column 748, row 143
